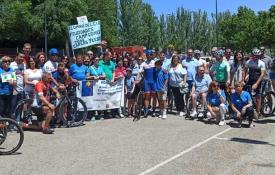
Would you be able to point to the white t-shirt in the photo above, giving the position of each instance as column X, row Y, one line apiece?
column 34, row 76
column 19, row 72
column 50, row 66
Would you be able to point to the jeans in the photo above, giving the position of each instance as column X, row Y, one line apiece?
column 15, row 99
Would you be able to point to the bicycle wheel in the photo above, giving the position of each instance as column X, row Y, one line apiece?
column 11, row 136
column 74, row 112
column 23, row 110
column 268, row 106
column 189, row 107
column 139, row 106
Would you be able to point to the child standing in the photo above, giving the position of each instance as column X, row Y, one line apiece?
column 130, row 91
column 161, row 81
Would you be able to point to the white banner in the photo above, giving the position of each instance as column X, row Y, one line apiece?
column 101, row 94
column 84, row 35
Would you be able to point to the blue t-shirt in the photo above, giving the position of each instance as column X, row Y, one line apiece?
column 240, row 100
column 214, row 99
column 5, row 88
column 78, row 72
column 166, row 64
column 129, row 82
column 160, row 76
column 191, row 65
column 95, row 71
column 202, row 83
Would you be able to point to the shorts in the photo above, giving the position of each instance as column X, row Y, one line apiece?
column 39, row 113
column 272, row 76
column 197, row 93
column 149, row 87
column 162, row 95
column 190, row 84
column 257, row 92
column 131, row 96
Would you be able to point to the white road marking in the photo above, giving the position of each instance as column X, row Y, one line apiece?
column 182, row 153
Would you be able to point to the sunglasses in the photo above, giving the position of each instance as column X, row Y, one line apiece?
column 6, row 61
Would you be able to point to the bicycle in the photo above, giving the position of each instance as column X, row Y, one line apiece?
column 267, row 98
column 71, row 110
column 11, row 136
column 139, row 106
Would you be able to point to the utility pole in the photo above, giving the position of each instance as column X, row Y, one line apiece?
column 45, row 32
column 217, row 37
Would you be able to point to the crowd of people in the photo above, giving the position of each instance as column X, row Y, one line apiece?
column 228, row 81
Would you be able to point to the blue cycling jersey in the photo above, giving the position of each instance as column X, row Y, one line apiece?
column 147, row 68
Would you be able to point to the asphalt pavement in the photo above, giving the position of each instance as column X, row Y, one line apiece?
column 174, row 146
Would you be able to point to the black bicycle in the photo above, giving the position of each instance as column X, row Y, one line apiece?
column 139, row 106
column 71, row 111
column 11, row 136
column 267, row 100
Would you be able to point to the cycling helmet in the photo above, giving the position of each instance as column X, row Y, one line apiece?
column 149, row 52
column 256, row 52
column 219, row 53
column 53, row 51
column 197, row 52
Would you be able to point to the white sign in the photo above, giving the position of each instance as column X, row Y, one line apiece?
column 8, row 76
column 84, row 35
column 101, row 95
column 82, row 19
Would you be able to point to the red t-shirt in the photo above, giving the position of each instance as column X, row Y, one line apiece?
column 120, row 71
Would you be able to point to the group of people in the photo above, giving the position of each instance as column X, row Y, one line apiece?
column 160, row 75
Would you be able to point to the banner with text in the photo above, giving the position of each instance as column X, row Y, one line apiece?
column 101, row 94
column 84, row 35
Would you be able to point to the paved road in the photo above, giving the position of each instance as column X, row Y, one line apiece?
column 150, row 146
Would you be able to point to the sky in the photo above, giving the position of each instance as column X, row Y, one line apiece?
column 170, row 6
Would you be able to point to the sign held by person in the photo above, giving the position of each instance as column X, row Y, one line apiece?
column 101, row 94
column 84, row 35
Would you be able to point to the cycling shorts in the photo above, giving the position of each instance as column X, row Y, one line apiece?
column 149, row 87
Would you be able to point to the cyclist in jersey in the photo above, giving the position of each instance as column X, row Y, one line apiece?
column 42, row 100
column 147, row 69
column 256, row 70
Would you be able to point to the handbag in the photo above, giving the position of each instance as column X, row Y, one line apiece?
column 184, row 88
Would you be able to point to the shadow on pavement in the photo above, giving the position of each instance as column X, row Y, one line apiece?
column 270, row 165
column 250, row 141
column 265, row 121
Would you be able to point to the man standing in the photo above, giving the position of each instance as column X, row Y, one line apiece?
column 27, row 48
column 191, row 64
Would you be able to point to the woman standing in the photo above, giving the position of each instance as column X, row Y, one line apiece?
column 177, row 79
column 237, row 68
column 7, row 84
column 40, row 59
column 32, row 76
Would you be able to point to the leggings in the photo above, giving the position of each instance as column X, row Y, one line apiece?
column 179, row 102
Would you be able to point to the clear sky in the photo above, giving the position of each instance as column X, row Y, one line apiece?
column 170, row 6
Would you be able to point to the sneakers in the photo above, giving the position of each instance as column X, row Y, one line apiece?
column 182, row 114
column 221, row 123
column 194, row 114
column 209, row 115
column 121, row 115
column 47, row 131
